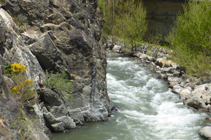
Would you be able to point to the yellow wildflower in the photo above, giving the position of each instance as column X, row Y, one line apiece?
column 21, row 84
column 18, row 67
column 28, row 81
column 14, row 88
column 18, row 92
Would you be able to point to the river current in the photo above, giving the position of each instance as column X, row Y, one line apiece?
column 146, row 108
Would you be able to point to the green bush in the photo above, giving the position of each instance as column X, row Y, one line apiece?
column 3, row 1
column 191, row 38
column 8, row 68
column 59, row 81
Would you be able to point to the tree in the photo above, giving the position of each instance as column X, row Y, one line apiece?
column 191, row 38
column 127, row 19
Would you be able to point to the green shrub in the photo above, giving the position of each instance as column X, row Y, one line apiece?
column 124, row 19
column 21, row 22
column 8, row 68
column 24, row 89
column 59, row 81
column 191, row 38
column 3, row 1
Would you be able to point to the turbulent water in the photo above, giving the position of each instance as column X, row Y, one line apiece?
column 146, row 108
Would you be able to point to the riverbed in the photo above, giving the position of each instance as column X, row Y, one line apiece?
column 146, row 108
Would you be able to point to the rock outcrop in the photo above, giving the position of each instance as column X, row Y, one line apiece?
column 58, row 36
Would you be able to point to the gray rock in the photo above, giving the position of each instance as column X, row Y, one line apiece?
column 196, row 103
column 59, row 111
column 68, row 123
column 58, row 127
column 174, row 79
column 117, row 48
column 50, row 97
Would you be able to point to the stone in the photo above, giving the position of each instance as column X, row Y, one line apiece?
column 59, row 111
column 196, row 103
column 68, row 123
column 172, row 84
column 174, row 79
column 205, row 132
column 143, row 56
column 185, row 92
column 176, row 89
column 57, row 127
column 117, row 48
column 50, row 97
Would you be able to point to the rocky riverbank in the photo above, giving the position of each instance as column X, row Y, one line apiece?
column 193, row 92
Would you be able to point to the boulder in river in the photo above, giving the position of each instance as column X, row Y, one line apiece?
column 205, row 132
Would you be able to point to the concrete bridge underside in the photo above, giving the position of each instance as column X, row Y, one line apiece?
column 161, row 15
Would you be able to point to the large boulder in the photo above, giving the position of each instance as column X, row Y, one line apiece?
column 185, row 92
column 205, row 132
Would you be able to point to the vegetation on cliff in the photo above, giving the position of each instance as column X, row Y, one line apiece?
column 191, row 38
column 125, row 19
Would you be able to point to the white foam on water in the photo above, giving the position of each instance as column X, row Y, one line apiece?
column 152, row 111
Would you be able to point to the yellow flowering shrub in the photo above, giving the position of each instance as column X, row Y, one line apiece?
column 18, row 68
column 24, row 90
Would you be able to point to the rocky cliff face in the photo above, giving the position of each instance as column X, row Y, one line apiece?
column 58, row 36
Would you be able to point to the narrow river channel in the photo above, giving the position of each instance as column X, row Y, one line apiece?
column 146, row 108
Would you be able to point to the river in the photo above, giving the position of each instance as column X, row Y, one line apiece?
column 146, row 108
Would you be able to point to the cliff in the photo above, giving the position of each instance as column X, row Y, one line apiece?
column 58, row 36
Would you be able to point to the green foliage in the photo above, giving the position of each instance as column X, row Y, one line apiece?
column 24, row 126
column 125, row 19
column 8, row 68
column 59, row 81
column 75, row 15
column 191, row 38
column 23, row 89
column 3, row 1
column 21, row 22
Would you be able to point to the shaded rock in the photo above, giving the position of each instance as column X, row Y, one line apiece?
column 57, row 127
column 195, row 102
column 59, row 111
column 50, row 97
